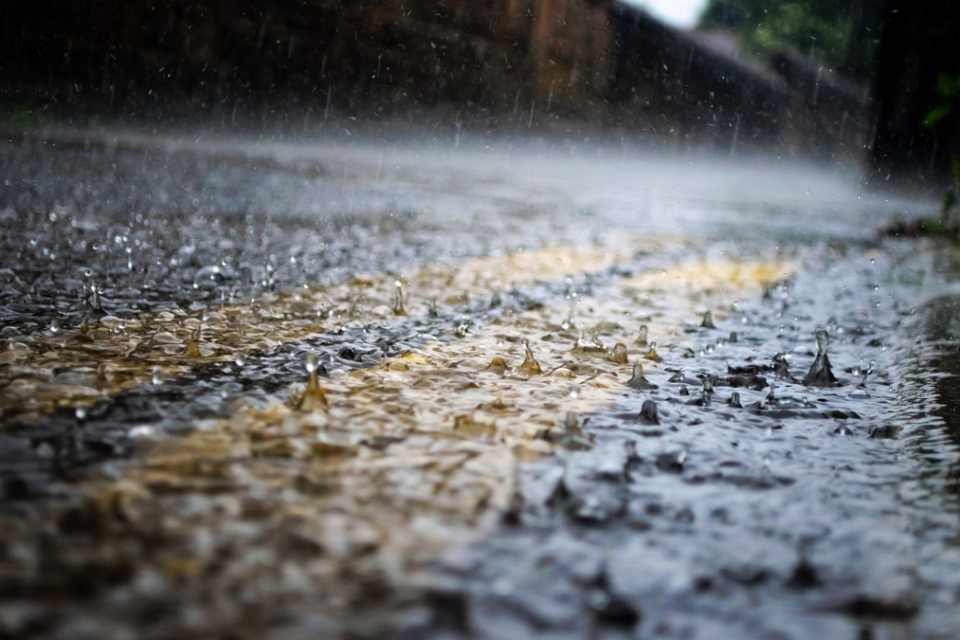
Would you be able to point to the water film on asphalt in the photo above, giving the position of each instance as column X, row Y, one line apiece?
column 509, row 389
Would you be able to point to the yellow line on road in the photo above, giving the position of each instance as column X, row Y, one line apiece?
column 324, row 502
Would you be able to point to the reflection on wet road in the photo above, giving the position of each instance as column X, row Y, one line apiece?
column 392, row 391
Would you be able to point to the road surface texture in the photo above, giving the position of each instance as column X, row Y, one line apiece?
column 259, row 388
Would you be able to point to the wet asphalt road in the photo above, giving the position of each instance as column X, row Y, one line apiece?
column 803, row 512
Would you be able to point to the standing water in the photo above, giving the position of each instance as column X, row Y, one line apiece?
column 639, row 399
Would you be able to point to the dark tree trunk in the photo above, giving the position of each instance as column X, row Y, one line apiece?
column 920, row 40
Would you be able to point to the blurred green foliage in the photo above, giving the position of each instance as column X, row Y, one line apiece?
column 843, row 34
column 948, row 89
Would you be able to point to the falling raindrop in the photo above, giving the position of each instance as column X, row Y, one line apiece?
column 568, row 322
column 157, row 377
column 239, row 358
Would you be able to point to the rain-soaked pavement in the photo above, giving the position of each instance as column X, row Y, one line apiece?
column 506, row 390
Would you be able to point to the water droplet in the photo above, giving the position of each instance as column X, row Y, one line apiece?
column 157, row 377
column 54, row 325
column 81, row 414
column 398, row 309
column 142, row 432
column 313, row 397
column 823, row 340
column 239, row 358
column 311, row 363
column 568, row 323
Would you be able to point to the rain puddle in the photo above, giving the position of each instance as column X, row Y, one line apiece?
column 654, row 436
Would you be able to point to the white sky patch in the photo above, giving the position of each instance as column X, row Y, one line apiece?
column 677, row 13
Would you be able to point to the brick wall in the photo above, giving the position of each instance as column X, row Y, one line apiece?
column 518, row 61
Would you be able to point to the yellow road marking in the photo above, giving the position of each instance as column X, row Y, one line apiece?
column 77, row 368
column 410, row 456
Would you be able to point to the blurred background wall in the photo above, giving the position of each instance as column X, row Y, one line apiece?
column 497, row 65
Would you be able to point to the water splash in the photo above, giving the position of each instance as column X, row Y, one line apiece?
column 649, row 414
column 642, row 336
column 708, row 320
column 313, row 397
column 638, row 381
column 193, row 344
column 652, row 354
column 821, row 373
column 530, row 366
column 398, row 309
column 498, row 366
column 619, row 354
column 588, row 344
